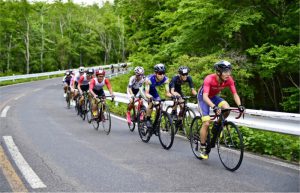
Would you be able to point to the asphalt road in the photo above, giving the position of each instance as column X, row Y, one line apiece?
column 67, row 154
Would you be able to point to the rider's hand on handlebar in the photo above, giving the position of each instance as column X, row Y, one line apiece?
column 241, row 108
column 217, row 110
column 95, row 96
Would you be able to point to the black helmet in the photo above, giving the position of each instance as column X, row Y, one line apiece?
column 222, row 66
column 160, row 68
column 183, row 70
column 90, row 71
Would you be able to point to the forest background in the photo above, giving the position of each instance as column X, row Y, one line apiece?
column 259, row 37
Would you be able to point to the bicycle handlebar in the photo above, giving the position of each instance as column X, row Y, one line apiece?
column 235, row 109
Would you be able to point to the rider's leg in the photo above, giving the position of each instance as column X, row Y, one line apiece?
column 129, row 107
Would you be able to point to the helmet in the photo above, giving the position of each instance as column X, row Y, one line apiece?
column 183, row 70
column 100, row 72
column 67, row 73
column 222, row 66
column 90, row 71
column 139, row 70
column 160, row 68
column 81, row 69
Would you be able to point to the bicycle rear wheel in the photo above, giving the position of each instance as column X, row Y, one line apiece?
column 89, row 115
column 132, row 116
column 187, row 121
column 142, row 128
column 105, row 119
column 230, row 146
column 166, row 130
column 68, row 99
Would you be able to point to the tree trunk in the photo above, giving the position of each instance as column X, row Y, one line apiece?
column 27, row 53
column 8, row 52
column 43, row 44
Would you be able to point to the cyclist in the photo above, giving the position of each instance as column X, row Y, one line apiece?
column 175, row 88
column 83, row 83
column 67, row 81
column 96, row 89
column 134, row 88
column 207, row 97
column 74, row 82
column 153, row 81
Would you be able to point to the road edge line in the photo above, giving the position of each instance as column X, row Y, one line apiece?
column 31, row 177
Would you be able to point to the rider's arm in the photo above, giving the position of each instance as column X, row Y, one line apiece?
column 237, row 99
column 207, row 100
column 191, row 84
column 108, row 85
column 129, row 87
column 79, row 84
column 168, row 94
column 172, row 86
column 147, row 88
column 91, row 87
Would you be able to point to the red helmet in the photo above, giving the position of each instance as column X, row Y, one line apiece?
column 100, row 72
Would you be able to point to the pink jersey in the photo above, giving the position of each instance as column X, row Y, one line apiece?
column 213, row 87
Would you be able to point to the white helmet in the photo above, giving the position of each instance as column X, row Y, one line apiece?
column 139, row 70
column 81, row 69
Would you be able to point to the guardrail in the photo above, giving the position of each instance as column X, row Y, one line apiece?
column 16, row 77
column 287, row 123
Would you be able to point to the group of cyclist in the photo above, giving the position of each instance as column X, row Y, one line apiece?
column 146, row 86
column 90, row 81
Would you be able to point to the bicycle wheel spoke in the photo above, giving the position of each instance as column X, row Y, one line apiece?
column 143, row 130
column 230, row 147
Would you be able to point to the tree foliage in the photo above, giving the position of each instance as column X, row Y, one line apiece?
column 259, row 37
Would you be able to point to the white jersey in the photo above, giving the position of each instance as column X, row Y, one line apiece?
column 134, row 83
column 85, row 81
column 77, row 77
column 99, row 85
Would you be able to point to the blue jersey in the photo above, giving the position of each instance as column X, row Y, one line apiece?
column 154, row 84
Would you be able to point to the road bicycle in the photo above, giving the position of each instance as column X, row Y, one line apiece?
column 228, row 138
column 138, row 106
column 187, row 115
column 162, row 126
column 103, row 115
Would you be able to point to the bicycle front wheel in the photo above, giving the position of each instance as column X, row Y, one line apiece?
column 230, row 146
column 105, row 119
column 68, row 100
column 144, row 133
column 187, row 121
column 166, row 130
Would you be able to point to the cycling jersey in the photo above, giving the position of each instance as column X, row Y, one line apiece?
column 135, row 85
column 154, row 83
column 67, row 79
column 97, row 87
column 213, row 87
column 83, row 80
column 176, row 83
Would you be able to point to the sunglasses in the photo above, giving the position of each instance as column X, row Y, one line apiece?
column 160, row 73
column 185, row 74
column 100, row 76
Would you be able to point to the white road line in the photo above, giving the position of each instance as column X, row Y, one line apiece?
column 4, row 111
column 18, row 97
column 275, row 162
column 26, row 170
